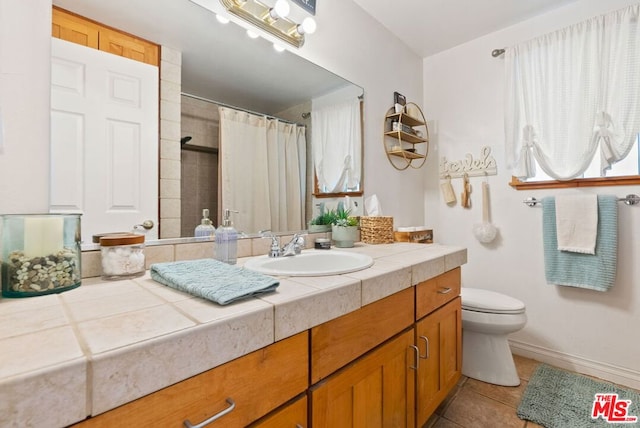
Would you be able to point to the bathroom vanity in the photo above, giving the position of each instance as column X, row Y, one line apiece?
column 377, row 347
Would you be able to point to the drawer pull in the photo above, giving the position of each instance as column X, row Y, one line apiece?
column 299, row 426
column 445, row 290
column 232, row 405
column 426, row 355
column 417, row 351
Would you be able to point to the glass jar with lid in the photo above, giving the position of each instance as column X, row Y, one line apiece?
column 122, row 255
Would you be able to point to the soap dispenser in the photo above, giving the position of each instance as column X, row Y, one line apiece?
column 205, row 230
column 227, row 241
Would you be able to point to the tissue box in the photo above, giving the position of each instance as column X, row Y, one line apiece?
column 376, row 229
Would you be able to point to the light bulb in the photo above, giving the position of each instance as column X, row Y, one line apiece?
column 278, row 47
column 252, row 34
column 308, row 26
column 280, row 10
column 221, row 19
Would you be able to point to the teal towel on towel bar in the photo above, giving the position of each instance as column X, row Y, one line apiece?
column 593, row 271
column 212, row 280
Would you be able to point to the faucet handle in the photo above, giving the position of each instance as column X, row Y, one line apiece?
column 274, row 251
column 299, row 242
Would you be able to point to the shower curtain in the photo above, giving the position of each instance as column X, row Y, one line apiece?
column 262, row 171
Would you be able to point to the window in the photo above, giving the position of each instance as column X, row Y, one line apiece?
column 572, row 104
column 624, row 172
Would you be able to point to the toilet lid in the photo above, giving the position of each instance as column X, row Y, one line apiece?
column 479, row 300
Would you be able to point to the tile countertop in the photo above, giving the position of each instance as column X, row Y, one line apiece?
column 88, row 350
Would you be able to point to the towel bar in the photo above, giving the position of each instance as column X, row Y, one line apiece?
column 628, row 200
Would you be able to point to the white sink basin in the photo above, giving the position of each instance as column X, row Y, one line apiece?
column 310, row 263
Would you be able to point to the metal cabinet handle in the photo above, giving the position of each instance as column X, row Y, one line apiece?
column 232, row 405
column 426, row 355
column 445, row 290
column 299, row 426
column 415, row 348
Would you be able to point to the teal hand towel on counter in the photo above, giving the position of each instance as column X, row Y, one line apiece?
column 213, row 280
column 592, row 271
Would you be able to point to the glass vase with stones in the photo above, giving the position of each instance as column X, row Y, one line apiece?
column 40, row 254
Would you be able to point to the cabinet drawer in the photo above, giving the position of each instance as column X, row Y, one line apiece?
column 338, row 342
column 257, row 382
column 435, row 292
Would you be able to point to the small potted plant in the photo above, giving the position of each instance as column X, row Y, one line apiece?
column 344, row 230
column 322, row 223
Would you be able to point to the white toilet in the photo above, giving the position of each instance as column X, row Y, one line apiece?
column 487, row 319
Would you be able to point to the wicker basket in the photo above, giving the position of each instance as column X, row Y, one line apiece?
column 376, row 230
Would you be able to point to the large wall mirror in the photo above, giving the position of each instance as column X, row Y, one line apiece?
column 222, row 67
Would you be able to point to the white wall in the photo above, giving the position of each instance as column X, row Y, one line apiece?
column 585, row 330
column 25, row 34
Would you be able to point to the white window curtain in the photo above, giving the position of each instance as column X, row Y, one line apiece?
column 572, row 94
column 261, row 171
column 336, row 143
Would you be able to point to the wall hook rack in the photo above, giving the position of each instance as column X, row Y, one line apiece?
column 483, row 166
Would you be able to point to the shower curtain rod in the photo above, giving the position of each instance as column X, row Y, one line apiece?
column 628, row 200
column 497, row 52
column 239, row 108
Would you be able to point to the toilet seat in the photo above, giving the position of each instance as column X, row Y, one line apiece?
column 478, row 300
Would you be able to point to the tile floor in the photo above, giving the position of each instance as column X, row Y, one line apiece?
column 475, row 404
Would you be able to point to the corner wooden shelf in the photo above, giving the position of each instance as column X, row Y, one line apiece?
column 409, row 141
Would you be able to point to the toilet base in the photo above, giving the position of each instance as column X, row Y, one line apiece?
column 487, row 357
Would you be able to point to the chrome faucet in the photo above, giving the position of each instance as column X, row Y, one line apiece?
column 294, row 246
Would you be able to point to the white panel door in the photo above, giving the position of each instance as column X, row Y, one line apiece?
column 104, row 139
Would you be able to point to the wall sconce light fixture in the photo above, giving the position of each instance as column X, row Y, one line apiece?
column 273, row 20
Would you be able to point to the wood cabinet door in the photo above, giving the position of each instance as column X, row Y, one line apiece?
column 72, row 28
column 377, row 390
column 77, row 29
column 439, row 340
column 121, row 44
column 291, row 415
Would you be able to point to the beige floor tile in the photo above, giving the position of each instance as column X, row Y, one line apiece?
column 525, row 366
column 508, row 395
column 432, row 421
column 442, row 408
column 445, row 423
column 473, row 410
